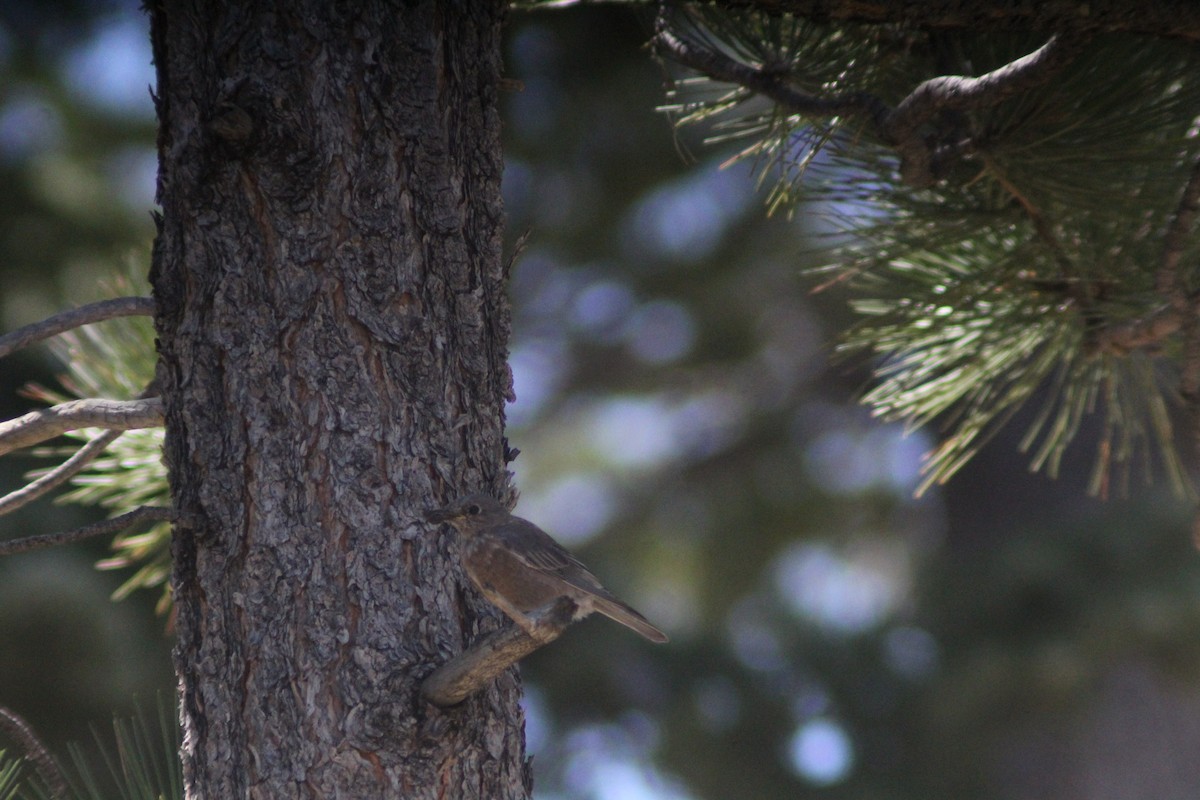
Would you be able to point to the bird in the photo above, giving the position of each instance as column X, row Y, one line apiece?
column 520, row 569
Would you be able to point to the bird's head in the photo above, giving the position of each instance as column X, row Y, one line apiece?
column 470, row 513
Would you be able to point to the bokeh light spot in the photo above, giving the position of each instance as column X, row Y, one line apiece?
column 29, row 124
column 602, row 306
column 843, row 593
column 753, row 642
column 134, row 172
column 539, row 727
column 632, row 432
column 849, row 459
column 112, row 70
column 576, row 507
column 718, row 704
column 821, row 752
column 661, row 332
column 911, row 652
column 539, row 369
column 686, row 219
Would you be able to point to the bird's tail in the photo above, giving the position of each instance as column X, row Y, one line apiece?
column 617, row 611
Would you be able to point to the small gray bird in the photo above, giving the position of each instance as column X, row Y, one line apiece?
column 520, row 569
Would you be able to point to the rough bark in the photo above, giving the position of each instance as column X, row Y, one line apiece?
column 332, row 327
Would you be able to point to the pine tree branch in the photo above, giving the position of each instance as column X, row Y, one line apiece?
column 962, row 93
column 1171, row 285
column 1155, row 328
column 118, row 523
column 1143, row 334
column 1040, row 226
column 118, row 415
column 920, row 164
column 19, row 731
column 59, row 475
column 472, row 669
column 1171, row 19
column 1179, row 229
column 75, row 318
column 770, row 84
column 923, row 158
column 1184, row 302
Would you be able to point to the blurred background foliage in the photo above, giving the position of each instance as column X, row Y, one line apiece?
column 682, row 429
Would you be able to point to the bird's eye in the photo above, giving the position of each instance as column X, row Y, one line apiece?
column 473, row 509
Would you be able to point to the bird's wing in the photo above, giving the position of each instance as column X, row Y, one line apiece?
column 539, row 551
column 534, row 548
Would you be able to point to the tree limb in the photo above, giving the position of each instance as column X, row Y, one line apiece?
column 126, row 520
column 1179, row 229
column 772, row 85
column 1175, row 290
column 1040, row 226
column 117, row 415
column 19, row 731
column 962, row 93
column 902, row 126
column 472, row 669
column 1142, row 334
column 59, row 475
column 922, row 159
column 1169, row 19
column 76, row 317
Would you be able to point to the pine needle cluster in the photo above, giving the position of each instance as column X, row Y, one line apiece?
column 117, row 360
column 1016, row 275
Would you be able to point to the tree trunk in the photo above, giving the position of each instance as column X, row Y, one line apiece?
column 332, row 327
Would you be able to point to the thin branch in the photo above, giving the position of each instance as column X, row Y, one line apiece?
column 1184, row 302
column 475, row 667
column 1143, row 334
column 1167, row 281
column 19, row 731
column 962, row 93
column 922, row 161
column 1172, row 286
column 921, row 158
column 119, row 523
column 772, row 85
column 59, row 475
column 1040, row 226
column 75, row 318
column 117, row 415
column 1167, row 20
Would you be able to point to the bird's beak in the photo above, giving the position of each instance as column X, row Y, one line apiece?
column 438, row 515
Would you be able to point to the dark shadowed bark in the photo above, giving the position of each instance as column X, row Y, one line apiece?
column 333, row 327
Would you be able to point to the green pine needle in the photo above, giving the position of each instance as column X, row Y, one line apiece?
column 993, row 287
column 988, row 338
column 10, row 776
column 140, row 762
column 117, row 359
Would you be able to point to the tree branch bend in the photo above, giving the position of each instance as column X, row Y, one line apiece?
column 114, row 415
column 14, row 727
column 75, row 318
column 475, row 667
column 923, row 157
